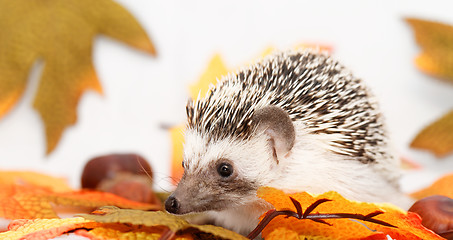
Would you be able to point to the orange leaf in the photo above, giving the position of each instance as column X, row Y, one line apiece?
column 34, row 202
column 436, row 41
column 34, row 179
column 408, row 224
column 442, row 186
column 112, row 234
column 437, row 137
column 66, row 48
column 41, row 229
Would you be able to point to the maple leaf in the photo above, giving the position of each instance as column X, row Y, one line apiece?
column 167, row 225
column 442, row 186
column 61, row 33
column 436, row 41
column 36, row 202
column 437, row 137
column 34, row 179
column 406, row 225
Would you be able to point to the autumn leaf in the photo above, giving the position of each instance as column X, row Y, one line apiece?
column 34, row 179
column 61, row 33
column 35, row 202
column 436, row 41
column 437, row 137
column 42, row 229
column 408, row 225
column 443, row 186
column 166, row 223
column 215, row 70
column 102, row 233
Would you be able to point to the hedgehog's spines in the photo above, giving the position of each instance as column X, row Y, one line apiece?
column 311, row 87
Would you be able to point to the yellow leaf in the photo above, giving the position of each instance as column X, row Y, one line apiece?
column 436, row 41
column 175, row 224
column 215, row 70
column 437, row 137
column 61, row 33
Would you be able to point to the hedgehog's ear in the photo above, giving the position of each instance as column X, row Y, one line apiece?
column 275, row 122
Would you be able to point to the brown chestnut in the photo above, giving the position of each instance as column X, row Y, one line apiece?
column 126, row 175
column 437, row 214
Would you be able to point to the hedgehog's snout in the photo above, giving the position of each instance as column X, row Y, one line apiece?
column 172, row 205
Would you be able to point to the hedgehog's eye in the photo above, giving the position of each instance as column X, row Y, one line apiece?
column 225, row 169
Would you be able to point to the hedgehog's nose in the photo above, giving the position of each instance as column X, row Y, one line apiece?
column 172, row 205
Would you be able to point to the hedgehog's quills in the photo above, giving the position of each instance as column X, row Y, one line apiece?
column 297, row 121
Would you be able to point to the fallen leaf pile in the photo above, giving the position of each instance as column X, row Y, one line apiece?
column 407, row 224
column 61, row 33
column 30, row 199
column 328, row 216
column 114, row 223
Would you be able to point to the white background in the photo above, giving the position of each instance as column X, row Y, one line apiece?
column 142, row 92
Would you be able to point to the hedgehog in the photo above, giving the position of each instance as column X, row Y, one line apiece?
column 296, row 121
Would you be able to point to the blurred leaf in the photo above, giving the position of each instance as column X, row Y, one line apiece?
column 36, row 179
column 177, row 154
column 436, row 41
column 442, row 186
column 408, row 224
column 215, row 70
column 36, row 202
column 41, row 229
column 437, row 137
column 61, row 33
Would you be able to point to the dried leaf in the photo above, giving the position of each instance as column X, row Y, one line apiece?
column 408, row 224
column 65, row 47
column 35, row 202
column 174, row 224
column 437, row 137
column 34, row 179
column 442, row 186
column 42, row 229
column 436, row 41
